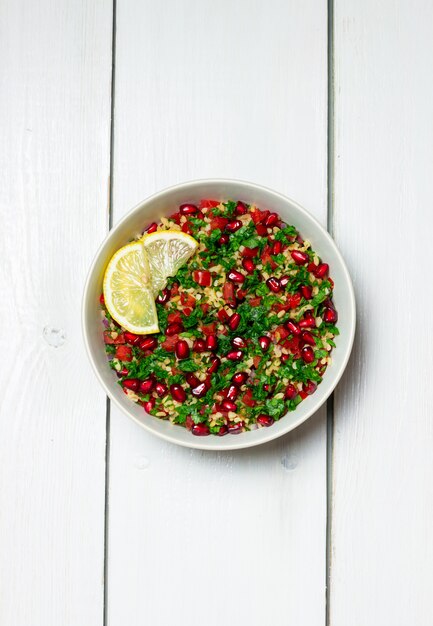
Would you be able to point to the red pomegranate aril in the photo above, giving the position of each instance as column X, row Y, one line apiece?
column 178, row 393
column 122, row 372
column 235, row 428
column 214, row 365
column 235, row 276
column 223, row 430
column 199, row 345
column 238, row 342
column 299, row 257
column 291, row 392
column 308, row 338
column 321, row 270
column 149, row 343
column 308, row 321
column 274, row 284
column 276, row 247
column 192, row 379
column 174, row 329
column 149, row 405
column 188, row 209
column 229, row 405
column 293, row 328
column 284, row 281
column 235, row 355
column 232, row 227
column 266, row 386
column 239, row 378
column 261, row 230
column 146, row 386
column 241, row 208
column 163, row 296
column 224, row 239
column 211, row 343
column 202, row 278
column 101, row 299
column 132, row 338
column 223, row 316
column 199, row 391
column 248, row 265
column 232, row 392
column 250, row 252
column 182, row 349
column 307, row 354
column 309, row 387
column 234, row 321
column 272, row 220
column 264, row 343
column 330, row 315
column 265, row 420
column 284, row 357
column 151, row 228
column 200, row 430
column 161, row 389
column 306, row 291
column 131, row 383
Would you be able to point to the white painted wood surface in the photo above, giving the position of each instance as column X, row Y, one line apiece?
column 55, row 74
column 382, row 559
column 207, row 89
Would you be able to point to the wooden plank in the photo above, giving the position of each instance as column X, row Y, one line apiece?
column 55, row 73
column 382, row 558
column 238, row 90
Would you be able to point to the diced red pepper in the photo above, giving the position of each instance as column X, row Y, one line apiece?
column 187, row 299
column 256, row 301
column 170, row 343
column 202, row 278
column 109, row 339
column 175, row 317
column 124, row 353
column 208, row 204
column 218, row 222
column 282, row 331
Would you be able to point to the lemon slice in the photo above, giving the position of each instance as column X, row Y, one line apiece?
column 128, row 292
column 167, row 251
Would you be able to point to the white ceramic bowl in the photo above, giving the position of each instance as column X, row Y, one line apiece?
column 163, row 204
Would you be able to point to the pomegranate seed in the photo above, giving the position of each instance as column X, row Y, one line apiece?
column 238, row 342
column 265, row 420
column 149, row 343
column 266, row 387
column 232, row 392
column 284, row 357
column 307, row 354
column 161, row 389
column 232, row 227
column 240, row 295
column 151, row 228
column 182, row 349
column 214, row 365
column 149, row 405
column 223, row 430
column 299, row 257
column 239, row 378
column 250, row 252
column 284, row 281
column 122, row 372
column 264, row 343
column 235, row 428
column 200, row 390
column 235, row 276
column 147, row 385
column 272, row 219
column 307, row 322
column 308, row 338
column 321, row 270
column 234, row 321
column 222, row 315
column 192, row 379
column 277, row 246
column 199, row 345
column 178, row 393
column 330, row 315
column 235, row 355
column 228, row 405
column 200, row 430
column 131, row 383
column 241, row 209
column 163, row 296
column 291, row 392
column 202, row 278
column 274, row 284
column 174, row 329
column 248, row 265
column 224, row 239
column 132, row 338
column 101, row 299
column 307, row 291
column 292, row 328
column 309, row 387
column 211, row 343
column 261, row 230
column 187, row 209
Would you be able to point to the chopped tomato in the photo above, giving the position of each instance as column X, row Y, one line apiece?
column 174, row 317
column 124, row 353
column 175, row 217
column 189, row 422
column 187, row 311
column 205, row 308
column 255, row 301
column 256, row 360
column 267, row 258
column 223, row 316
column 293, row 345
column 202, row 278
column 210, row 329
column 248, row 397
column 218, row 222
column 250, row 252
column 170, row 343
column 294, row 300
column 109, row 339
column 261, row 230
column 208, row 204
column 281, row 306
column 229, row 293
column 186, row 228
column 282, row 333
column 259, row 216
column 187, row 299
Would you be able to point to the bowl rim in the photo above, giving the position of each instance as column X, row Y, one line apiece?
column 200, row 442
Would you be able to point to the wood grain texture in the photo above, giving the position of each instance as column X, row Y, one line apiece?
column 55, row 73
column 207, row 89
column 382, row 558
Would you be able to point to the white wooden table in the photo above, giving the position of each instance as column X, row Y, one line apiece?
column 100, row 106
